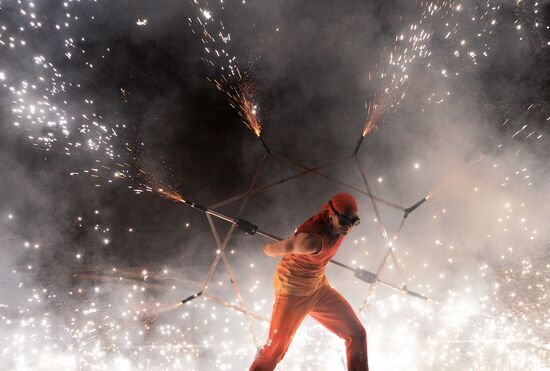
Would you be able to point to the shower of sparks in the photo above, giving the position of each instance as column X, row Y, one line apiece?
column 453, row 22
column 374, row 114
column 495, row 316
column 229, row 79
column 148, row 181
column 43, row 102
column 247, row 110
column 170, row 195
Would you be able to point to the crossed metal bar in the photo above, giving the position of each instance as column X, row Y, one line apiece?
column 364, row 275
column 221, row 253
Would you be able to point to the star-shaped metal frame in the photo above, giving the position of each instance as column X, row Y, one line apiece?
column 372, row 278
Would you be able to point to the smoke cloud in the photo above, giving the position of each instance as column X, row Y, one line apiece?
column 102, row 99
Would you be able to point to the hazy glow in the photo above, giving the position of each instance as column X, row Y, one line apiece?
column 490, row 305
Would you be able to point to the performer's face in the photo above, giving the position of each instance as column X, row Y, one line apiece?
column 342, row 223
column 341, row 228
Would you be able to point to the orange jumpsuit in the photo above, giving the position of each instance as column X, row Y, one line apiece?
column 301, row 288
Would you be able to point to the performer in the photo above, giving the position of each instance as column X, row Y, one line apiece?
column 301, row 287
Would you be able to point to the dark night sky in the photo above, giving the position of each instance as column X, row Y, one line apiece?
column 311, row 83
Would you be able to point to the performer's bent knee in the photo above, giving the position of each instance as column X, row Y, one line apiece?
column 357, row 335
column 268, row 358
column 360, row 334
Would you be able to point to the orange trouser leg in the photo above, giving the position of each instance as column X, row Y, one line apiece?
column 288, row 312
column 335, row 313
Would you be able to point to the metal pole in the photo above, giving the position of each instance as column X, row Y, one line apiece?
column 250, row 228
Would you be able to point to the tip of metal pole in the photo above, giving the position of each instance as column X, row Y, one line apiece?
column 264, row 144
column 417, row 295
column 191, row 297
column 196, row 206
column 414, row 207
column 358, row 145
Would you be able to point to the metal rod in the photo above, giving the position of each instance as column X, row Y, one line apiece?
column 257, row 190
column 218, row 256
column 398, row 268
column 373, row 202
column 272, row 184
column 222, row 216
column 358, row 145
column 371, row 287
column 250, row 228
column 222, row 245
column 191, row 297
column 401, row 225
column 415, row 206
column 223, row 302
column 379, row 199
column 264, row 144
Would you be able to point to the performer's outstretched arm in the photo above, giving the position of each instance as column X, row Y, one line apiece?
column 302, row 243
